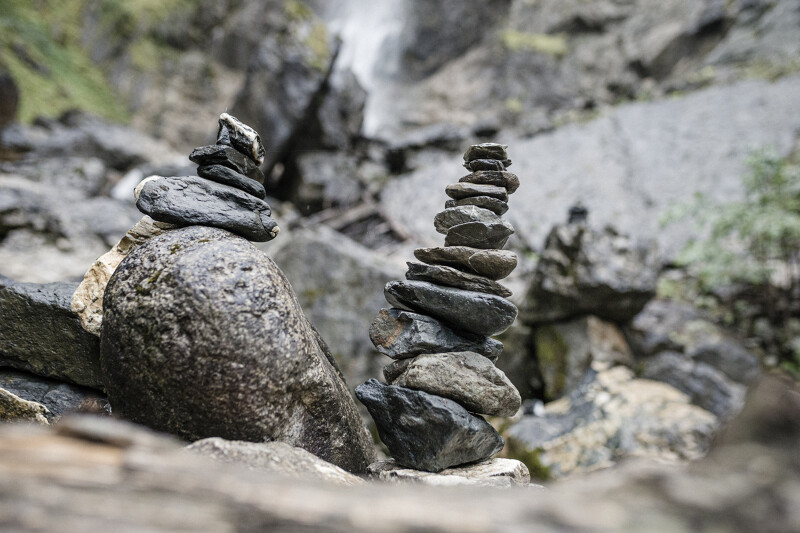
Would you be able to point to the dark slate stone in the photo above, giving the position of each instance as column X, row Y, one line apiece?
column 479, row 235
column 218, row 154
column 233, row 132
column 444, row 275
column 453, row 216
column 60, row 398
column 191, row 201
column 203, row 336
column 486, row 151
column 484, row 164
column 459, row 191
column 474, row 312
column 226, row 176
column 402, row 334
column 507, row 180
column 39, row 333
column 494, row 205
column 426, row 432
column 492, row 264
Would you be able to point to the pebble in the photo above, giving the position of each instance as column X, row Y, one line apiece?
column 453, row 216
column 227, row 156
column 479, row 234
column 233, row 132
column 227, row 176
column 458, row 191
column 486, row 151
column 492, row 204
column 452, row 277
column 507, row 180
column 485, row 164
column 493, row 264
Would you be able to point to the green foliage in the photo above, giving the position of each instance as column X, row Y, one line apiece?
column 530, row 458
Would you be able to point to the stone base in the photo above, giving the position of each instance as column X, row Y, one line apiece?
column 495, row 472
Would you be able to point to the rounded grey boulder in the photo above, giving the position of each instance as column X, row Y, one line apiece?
column 204, row 337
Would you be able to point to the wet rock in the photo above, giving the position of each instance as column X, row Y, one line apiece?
column 486, row 151
column 323, row 180
column 496, row 472
column 196, row 201
column 583, row 271
column 402, row 334
column 453, row 216
column 451, row 277
column 226, row 176
column 479, row 235
column 458, row 191
column 467, row 378
column 56, row 397
column 227, row 156
column 609, row 416
column 425, row 432
column 276, row 458
column 203, row 336
column 235, row 133
column 474, row 312
column 341, row 114
column 493, row 264
column 507, row 180
column 492, row 204
column 39, row 333
column 484, row 164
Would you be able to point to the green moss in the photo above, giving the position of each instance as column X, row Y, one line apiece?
column 530, row 458
column 174, row 248
column 317, row 44
column 297, row 11
column 551, row 352
column 540, row 43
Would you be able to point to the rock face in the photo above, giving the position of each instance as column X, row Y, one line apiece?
column 427, row 432
column 39, row 333
column 274, row 457
column 582, row 271
column 203, row 336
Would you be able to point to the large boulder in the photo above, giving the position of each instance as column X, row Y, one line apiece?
column 583, row 271
column 204, row 337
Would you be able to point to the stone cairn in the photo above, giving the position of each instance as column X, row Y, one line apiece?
column 440, row 326
column 227, row 193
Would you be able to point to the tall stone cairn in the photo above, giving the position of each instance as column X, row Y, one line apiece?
column 439, row 329
column 227, row 193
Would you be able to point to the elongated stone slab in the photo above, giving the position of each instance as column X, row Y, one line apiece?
column 485, row 164
column 475, row 312
column 427, row 432
column 233, row 132
column 227, row 156
column 486, row 151
column 479, row 234
column 454, row 216
column 401, row 334
column 227, row 176
column 495, row 472
column 452, row 277
column 194, row 201
column 507, row 180
column 458, row 191
column 493, row 264
column 494, row 205
column 467, row 378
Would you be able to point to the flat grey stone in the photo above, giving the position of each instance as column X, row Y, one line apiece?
column 493, row 264
column 424, row 431
column 474, row 312
column 494, row 205
column 233, row 132
column 486, row 151
column 495, row 472
column 484, row 164
column 452, row 277
column 194, row 201
column 227, row 176
column 401, row 334
column 453, row 216
column 458, row 191
column 507, row 180
column 479, row 234
column 467, row 378
column 219, row 154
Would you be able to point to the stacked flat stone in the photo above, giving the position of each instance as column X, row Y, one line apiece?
column 227, row 193
column 440, row 326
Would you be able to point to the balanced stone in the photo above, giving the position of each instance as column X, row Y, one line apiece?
column 401, row 334
column 227, row 156
column 464, row 377
column 427, row 432
column 503, row 179
column 458, row 191
column 196, row 201
column 226, row 176
column 492, row 204
column 486, row 151
column 452, row 277
column 479, row 234
column 474, row 312
column 454, row 216
column 233, row 132
column 492, row 264
column 485, row 164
